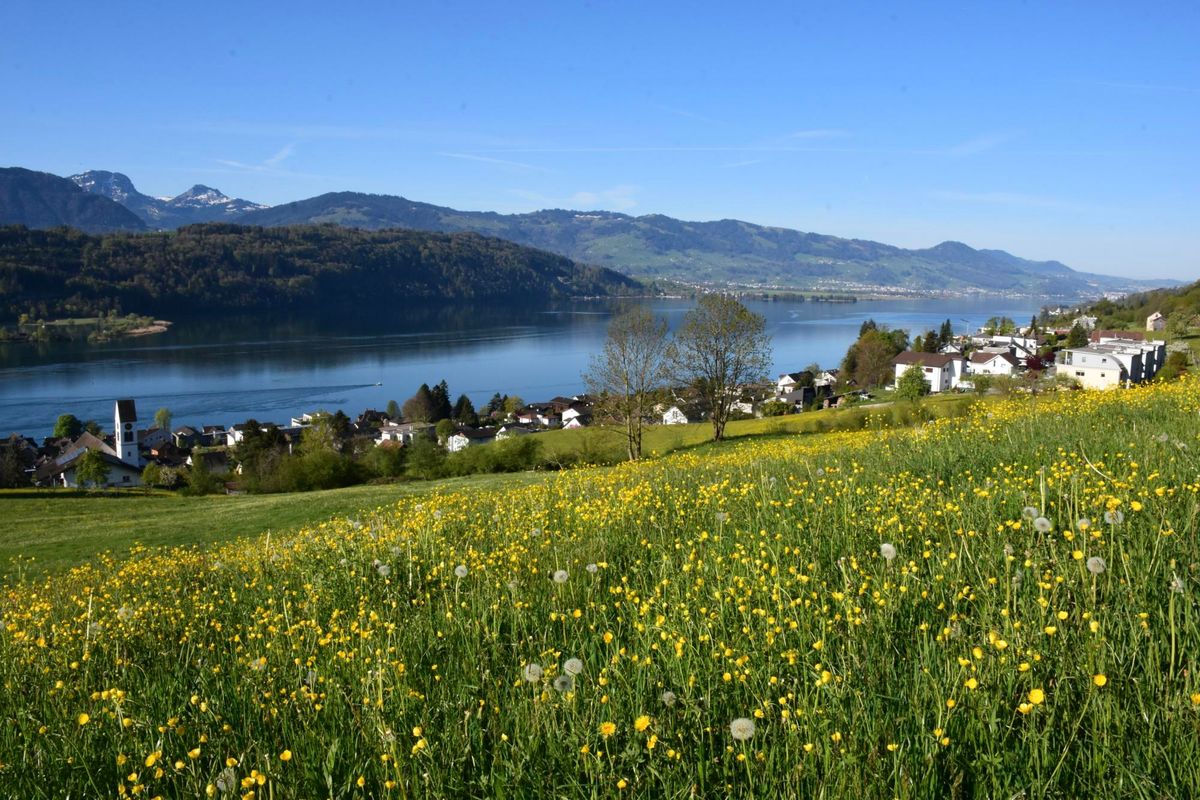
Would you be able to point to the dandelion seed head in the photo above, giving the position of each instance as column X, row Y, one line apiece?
column 721, row 517
column 384, row 570
column 460, row 571
column 1176, row 584
column 742, row 728
column 1043, row 525
column 1029, row 512
column 887, row 550
column 573, row 666
column 560, row 576
column 1096, row 565
column 592, row 568
column 1084, row 523
column 1114, row 517
column 227, row 780
column 668, row 698
column 564, row 683
column 533, row 672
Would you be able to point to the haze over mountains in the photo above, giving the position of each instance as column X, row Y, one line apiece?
column 719, row 252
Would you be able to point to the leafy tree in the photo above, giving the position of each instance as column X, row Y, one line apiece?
column 495, row 405
column 630, row 366
column 931, row 343
column 720, row 346
column 1175, row 365
column 91, row 468
column 868, row 362
column 162, row 419
column 393, row 410
column 1178, row 324
column 425, row 459
column 464, row 412
column 911, row 384
column 12, row 467
column 1077, row 337
column 512, row 404
column 775, row 408
column 867, row 326
column 151, row 475
column 93, row 427
column 201, row 480
column 918, row 343
column 1000, row 326
column 321, row 435
column 67, row 426
column 444, row 430
column 421, row 407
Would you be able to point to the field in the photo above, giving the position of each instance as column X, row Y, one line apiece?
column 1000, row 605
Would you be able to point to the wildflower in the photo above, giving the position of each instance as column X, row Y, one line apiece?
column 124, row 613
column 721, row 517
column 533, row 673
column 641, row 723
column 1084, row 523
column 1036, row 696
column 1099, row 680
column 1042, row 525
column 1176, row 583
column 564, row 684
column 607, row 729
column 82, row 719
column 668, row 698
column 592, row 568
column 1096, row 565
column 1029, row 512
column 887, row 550
column 560, row 576
column 1114, row 517
column 572, row 666
column 460, row 571
column 742, row 728
column 621, row 784
column 384, row 570
column 535, row 532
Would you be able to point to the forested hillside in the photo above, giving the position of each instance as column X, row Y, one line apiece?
column 220, row 268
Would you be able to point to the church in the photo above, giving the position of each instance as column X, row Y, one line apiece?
column 122, row 458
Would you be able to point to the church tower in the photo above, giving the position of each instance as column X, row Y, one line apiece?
column 125, row 427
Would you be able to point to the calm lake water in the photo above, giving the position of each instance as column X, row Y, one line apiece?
column 270, row 369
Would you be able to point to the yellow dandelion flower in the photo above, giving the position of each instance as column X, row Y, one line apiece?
column 607, row 729
column 83, row 719
column 641, row 723
column 1100, row 679
column 286, row 755
column 1036, row 696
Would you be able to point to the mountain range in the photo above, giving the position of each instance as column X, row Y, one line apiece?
column 717, row 253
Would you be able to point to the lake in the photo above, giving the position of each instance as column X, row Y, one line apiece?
column 226, row 371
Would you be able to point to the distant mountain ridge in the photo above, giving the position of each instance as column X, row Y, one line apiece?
column 717, row 253
column 198, row 204
column 42, row 200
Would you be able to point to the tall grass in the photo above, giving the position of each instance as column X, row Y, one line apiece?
column 993, row 655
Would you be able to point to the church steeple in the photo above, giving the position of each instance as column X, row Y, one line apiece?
column 125, row 427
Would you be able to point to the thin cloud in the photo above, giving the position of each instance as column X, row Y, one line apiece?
column 978, row 144
column 281, row 155
column 1012, row 199
column 303, row 131
column 747, row 163
column 489, row 160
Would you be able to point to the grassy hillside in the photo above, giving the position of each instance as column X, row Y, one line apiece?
column 995, row 605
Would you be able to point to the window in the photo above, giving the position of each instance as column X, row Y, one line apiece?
column 125, row 479
column 1079, row 374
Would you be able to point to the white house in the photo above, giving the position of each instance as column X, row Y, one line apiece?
column 403, row 432
column 470, row 437
column 1085, row 322
column 674, row 416
column 984, row 363
column 942, row 371
column 512, row 432
column 1156, row 322
column 1112, row 362
column 788, row 381
column 577, row 416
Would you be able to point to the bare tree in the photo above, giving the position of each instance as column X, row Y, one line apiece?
column 720, row 346
column 628, row 370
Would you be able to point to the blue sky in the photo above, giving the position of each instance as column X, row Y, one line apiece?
column 1060, row 130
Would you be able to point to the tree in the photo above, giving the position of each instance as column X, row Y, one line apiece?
column 946, row 334
column 911, row 384
column 421, row 406
column 321, row 435
column 918, row 343
column 68, row 426
column 93, row 427
column 931, row 343
column 1077, row 337
column 151, row 475
column 444, row 430
column 393, row 410
column 91, row 468
column 495, row 405
column 512, row 404
column 868, row 362
column 720, row 346
column 425, row 459
column 999, row 326
column 631, row 365
column 162, row 419
column 464, row 412
column 1175, row 365
column 12, row 466
column 441, row 402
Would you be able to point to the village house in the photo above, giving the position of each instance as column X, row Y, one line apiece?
column 788, row 381
column 1156, row 322
column 942, row 372
column 985, row 363
column 674, row 416
column 511, row 431
column 122, row 458
column 470, row 437
column 403, row 432
column 1112, row 362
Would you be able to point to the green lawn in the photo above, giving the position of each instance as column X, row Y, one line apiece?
column 58, row 529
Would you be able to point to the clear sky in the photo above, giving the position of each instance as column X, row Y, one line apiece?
column 1053, row 130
